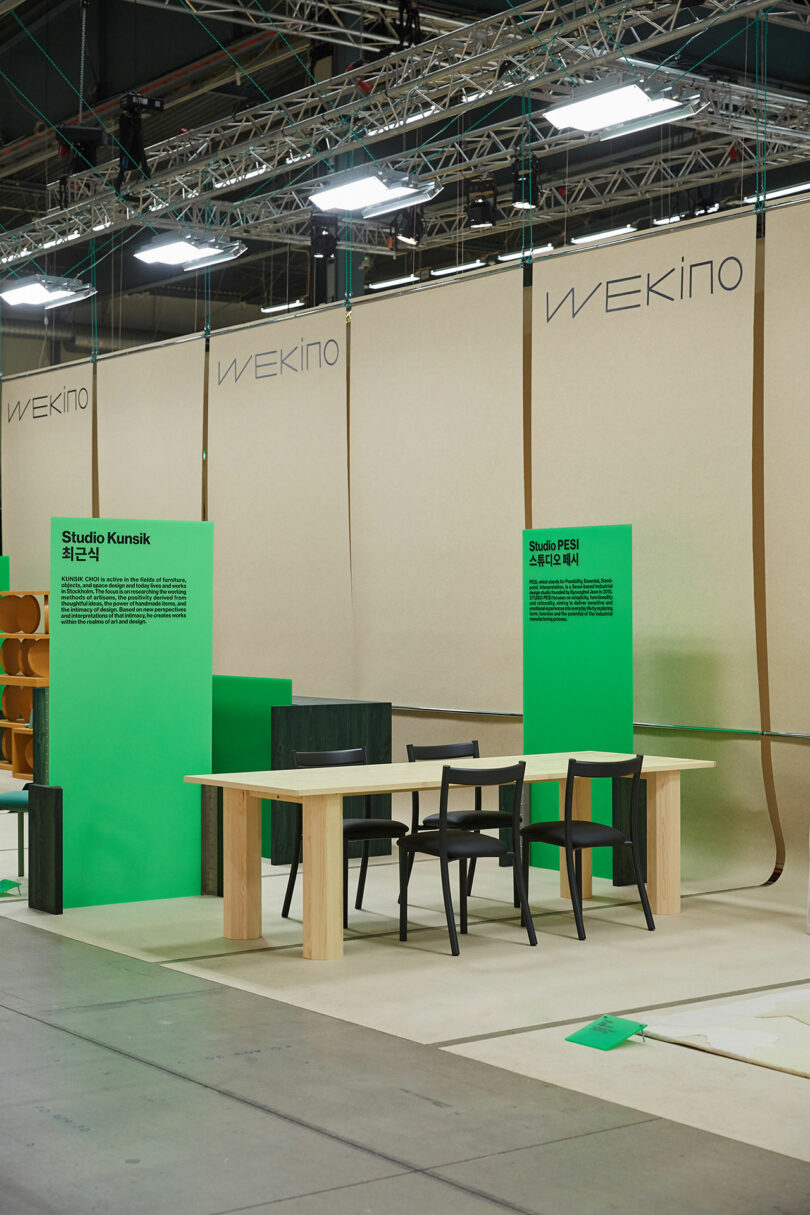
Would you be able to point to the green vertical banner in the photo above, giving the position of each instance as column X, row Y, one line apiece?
column 130, row 703
column 577, row 658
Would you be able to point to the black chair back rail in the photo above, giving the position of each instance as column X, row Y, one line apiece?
column 449, row 843
column 572, row 835
column 363, row 830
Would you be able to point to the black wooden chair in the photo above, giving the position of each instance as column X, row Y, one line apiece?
column 450, row 843
column 362, row 830
column 575, row 834
column 456, row 818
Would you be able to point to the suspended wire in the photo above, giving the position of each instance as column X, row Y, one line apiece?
column 82, row 56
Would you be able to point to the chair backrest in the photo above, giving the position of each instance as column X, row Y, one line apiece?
column 329, row 759
column 512, row 774
column 463, row 750
column 595, row 769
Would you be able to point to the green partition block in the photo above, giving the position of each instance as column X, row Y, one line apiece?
column 577, row 659
column 130, row 703
column 242, row 729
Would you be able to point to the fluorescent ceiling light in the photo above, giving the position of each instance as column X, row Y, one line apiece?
column 444, row 270
column 687, row 110
column 783, row 193
column 226, row 253
column 283, row 307
column 426, row 191
column 670, row 219
column 394, row 282
column 44, row 291
column 592, row 107
column 197, row 248
column 513, row 257
column 357, row 189
column 590, row 237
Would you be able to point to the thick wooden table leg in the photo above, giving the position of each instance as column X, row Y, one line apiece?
column 242, row 864
column 581, row 809
column 664, row 842
column 323, row 877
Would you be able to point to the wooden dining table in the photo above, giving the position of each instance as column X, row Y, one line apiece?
column 320, row 791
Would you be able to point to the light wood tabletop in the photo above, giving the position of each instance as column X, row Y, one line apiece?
column 321, row 791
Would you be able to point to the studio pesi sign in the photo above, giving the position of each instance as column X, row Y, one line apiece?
column 659, row 288
column 299, row 358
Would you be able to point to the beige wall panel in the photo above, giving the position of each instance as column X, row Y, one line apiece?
column 150, row 427
column 278, row 494
column 437, row 495
column 726, row 835
column 642, row 415
column 46, row 463
column 787, row 484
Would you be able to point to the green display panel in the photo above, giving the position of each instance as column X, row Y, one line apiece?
column 130, row 703
column 5, row 585
column 241, row 728
column 577, row 658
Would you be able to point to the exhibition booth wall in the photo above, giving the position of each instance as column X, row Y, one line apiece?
column 369, row 482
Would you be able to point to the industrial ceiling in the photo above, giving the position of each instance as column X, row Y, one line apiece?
column 262, row 100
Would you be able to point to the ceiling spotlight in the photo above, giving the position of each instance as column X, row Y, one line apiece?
column 372, row 190
column 526, row 183
column 537, row 251
column 445, row 271
column 616, row 108
column 403, row 281
column 588, row 238
column 481, row 204
column 192, row 250
column 283, row 307
column 44, row 291
column 407, row 228
column 322, row 240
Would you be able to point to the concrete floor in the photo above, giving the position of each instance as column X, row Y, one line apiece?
column 130, row 1087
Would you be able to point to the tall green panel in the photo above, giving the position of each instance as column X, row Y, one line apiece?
column 5, row 584
column 130, row 703
column 242, row 728
column 577, row 657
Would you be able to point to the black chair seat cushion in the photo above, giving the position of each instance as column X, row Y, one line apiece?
column 459, row 844
column 471, row 820
column 372, row 829
column 583, row 834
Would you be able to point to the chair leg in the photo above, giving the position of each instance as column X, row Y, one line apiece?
column 361, row 881
column 518, row 881
column 296, row 861
column 470, row 875
column 345, row 883
column 645, row 902
column 448, row 906
column 463, row 888
column 405, row 862
column 574, row 888
column 20, row 844
column 524, row 868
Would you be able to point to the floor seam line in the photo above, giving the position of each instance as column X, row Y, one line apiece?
column 621, row 1012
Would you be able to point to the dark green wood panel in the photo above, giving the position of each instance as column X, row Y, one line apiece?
column 314, row 724
column 45, row 848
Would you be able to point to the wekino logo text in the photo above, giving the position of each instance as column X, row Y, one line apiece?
column 686, row 281
column 267, row 364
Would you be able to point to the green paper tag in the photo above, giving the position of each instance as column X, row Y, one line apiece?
column 7, row 885
column 607, row 1032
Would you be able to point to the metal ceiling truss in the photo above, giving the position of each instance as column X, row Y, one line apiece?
column 366, row 26
column 533, row 48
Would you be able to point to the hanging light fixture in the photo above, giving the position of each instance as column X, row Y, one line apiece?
column 322, row 239
column 406, row 228
column 44, row 291
column 372, row 190
column 615, row 107
column 481, row 203
column 525, row 184
column 191, row 250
